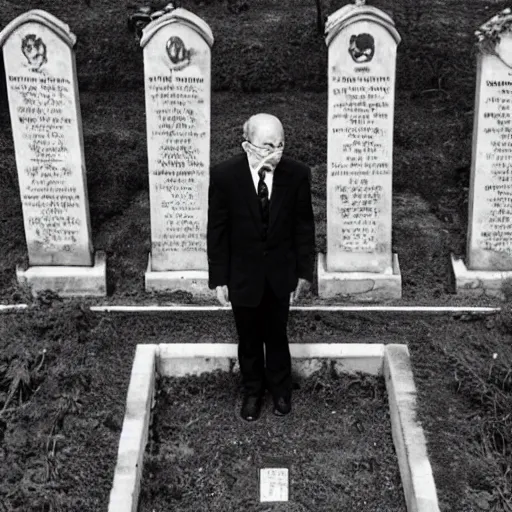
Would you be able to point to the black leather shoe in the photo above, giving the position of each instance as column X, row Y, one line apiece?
column 251, row 407
column 282, row 405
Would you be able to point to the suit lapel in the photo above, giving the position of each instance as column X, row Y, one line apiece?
column 279, row 192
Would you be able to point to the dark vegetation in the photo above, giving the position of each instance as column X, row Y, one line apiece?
column 61, row 410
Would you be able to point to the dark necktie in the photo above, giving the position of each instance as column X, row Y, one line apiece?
column 263, row 198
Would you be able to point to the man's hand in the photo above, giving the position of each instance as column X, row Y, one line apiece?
column 223, row 295
column 301, row 285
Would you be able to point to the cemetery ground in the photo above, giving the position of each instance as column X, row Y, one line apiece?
column 65, row 374
column 337, row 445
column 64, row 371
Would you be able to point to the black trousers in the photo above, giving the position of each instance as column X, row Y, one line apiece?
column 265, row 324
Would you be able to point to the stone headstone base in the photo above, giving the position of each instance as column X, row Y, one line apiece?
column 192, row 281
column 67, row 281
column 359, row 286
column 478, row 283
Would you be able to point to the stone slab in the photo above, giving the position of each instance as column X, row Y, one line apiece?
column 181, row 366
column 192, row 359
column 48, row 141
column 67, row 281
column 489, row 238
column 408, row 436
column 478, row 283
column 359, row 286
column 177, row 78
column 349, row 358
column 274, row 484
column 124, row 495
column 193, row 281
column 301, row 367
column 361, row 96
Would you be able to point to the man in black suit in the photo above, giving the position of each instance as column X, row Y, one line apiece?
column 261, row 251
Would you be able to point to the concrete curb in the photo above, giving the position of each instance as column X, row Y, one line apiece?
column 124, row 496
column 13, row 308
column 361, row 309
column 181, row 359
column 442, row 310
column 408, row 437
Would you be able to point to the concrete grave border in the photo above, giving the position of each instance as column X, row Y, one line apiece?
column 392, row 361
column 454, row 310
column 151, row 309
column 12, row 308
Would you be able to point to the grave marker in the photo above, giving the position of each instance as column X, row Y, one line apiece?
column 490, row 206
column 177, row 77
column 47, row 130
column 489, row 238
column 273, row 484
column 362, row 43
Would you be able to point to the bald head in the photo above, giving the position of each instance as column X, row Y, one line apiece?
column 264, row 130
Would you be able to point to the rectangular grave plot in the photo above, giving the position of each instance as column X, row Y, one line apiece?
column 337, row 446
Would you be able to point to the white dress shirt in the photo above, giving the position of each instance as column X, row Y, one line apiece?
column 269, row 177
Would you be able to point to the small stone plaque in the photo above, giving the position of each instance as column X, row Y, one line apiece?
column 273, row 484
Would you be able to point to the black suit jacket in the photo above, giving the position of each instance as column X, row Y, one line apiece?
column 238, row 254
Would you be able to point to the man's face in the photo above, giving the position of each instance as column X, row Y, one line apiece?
column 268, row 141
column 269, row 137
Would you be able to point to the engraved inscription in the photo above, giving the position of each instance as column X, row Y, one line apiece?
column 41, row 111
column 361, row 109
column 178, row 168
column 496, row 127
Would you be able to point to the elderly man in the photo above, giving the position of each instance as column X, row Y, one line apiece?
column 261, row 250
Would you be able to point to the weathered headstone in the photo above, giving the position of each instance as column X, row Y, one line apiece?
column 362, row 43
column 47, row 130
column 177, row 78
column 489, row 241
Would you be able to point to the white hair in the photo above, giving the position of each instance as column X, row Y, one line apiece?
column 249, row 129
